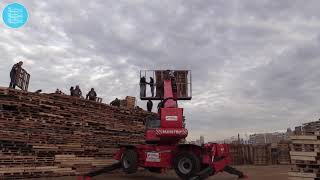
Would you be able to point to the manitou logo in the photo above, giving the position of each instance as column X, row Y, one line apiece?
column 171, row 132
column 171, row 118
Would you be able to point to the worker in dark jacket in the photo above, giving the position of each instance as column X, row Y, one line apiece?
column 77, row 91
column 149, row 105
column 151, row 83
column 143, row 83
column 160, row 105
column 115, row 102
column 92, row 95
column 159, row 89
column 72, row 91
column 13, row 73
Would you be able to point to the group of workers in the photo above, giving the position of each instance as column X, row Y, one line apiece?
column 150, row 105
column 91, row 95
column 143, row 86
column 160, row 91
column 76, row 92
column 16, row 68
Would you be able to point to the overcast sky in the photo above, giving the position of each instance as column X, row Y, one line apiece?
column 255, row 64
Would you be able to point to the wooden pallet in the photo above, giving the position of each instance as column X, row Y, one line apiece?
column 305, row 153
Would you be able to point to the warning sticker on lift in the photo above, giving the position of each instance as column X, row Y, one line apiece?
column 153, row 157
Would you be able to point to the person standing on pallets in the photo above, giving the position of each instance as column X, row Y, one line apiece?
column 149, row 105
column 92, row 95
column 77, row 92
column 13, row 73
column 143, row 83
column 151, row 83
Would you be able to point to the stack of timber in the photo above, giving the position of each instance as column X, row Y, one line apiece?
column 284, row 149
column 257, row 154
column 241, row 154
column 129, row 102
column 305, row 153
column 297, row 130
column 262, row 154
column 55, row 135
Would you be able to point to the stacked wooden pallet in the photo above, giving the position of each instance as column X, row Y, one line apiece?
column 305, row 153
column 241, row 154
column 55, row 135
column 262, row 154
column 284, row 149
column 131, row 102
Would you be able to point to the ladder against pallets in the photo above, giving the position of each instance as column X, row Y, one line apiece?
column 305, row 154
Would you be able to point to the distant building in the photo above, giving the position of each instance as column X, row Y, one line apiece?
column 267, row 138
column 198, row 142
column 201, row 140
column 258, row 138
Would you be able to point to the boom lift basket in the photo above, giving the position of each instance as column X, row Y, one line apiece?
column 182, row 78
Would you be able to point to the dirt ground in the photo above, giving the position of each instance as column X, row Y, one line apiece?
column 278, row 172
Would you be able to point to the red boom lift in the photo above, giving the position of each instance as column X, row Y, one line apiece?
column 163, row 148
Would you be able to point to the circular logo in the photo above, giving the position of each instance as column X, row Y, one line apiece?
column 15, row 15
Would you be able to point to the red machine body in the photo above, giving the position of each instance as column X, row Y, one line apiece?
column 161, row 156
column 163, row 149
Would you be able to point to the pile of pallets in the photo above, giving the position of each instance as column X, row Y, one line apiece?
column 257, row 154
column 131, row 102
column 262, row 154
column 284, row 149
column 305, row 153
column 54, row 135
column 241, row 154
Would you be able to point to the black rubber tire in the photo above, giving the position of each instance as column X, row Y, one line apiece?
column 129, row 161
column 191, row 158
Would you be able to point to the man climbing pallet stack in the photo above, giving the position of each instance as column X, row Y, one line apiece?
column 19, row 77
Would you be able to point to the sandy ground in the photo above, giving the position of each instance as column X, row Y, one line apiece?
column 254, row 172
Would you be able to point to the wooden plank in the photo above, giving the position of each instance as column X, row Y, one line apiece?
column 300, row 178
column 305, row 141
column 304, row 175
column 303, row 158
column 304, row 137
column 298, row 153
